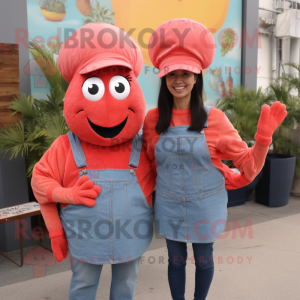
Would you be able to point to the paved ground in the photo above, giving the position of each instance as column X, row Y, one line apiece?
column 264, row 264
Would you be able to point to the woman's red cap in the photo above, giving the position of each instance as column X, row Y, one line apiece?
column 181, row 44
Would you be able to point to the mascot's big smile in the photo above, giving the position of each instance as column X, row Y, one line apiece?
column 108, row 132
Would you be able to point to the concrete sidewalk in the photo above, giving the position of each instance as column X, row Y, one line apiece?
column 264, row 264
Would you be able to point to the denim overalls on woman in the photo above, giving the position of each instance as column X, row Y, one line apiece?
column 191, row 199
column 119, row 227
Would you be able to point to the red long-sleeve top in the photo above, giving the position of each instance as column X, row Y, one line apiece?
column 57, row 168
column 224, row 143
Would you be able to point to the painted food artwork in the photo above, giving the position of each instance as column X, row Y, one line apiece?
column 53, row 21
column 53, row 10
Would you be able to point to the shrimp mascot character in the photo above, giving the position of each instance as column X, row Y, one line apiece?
column 99, row 171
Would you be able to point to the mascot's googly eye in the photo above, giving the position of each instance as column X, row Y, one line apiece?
column 119, row 87
column 93, row 89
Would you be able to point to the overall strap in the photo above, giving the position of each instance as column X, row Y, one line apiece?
column 136, row 147
column 77, row 150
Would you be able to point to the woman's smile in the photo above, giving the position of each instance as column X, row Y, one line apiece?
column 179, row 88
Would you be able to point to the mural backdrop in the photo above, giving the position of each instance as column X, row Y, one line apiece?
column 51, row 22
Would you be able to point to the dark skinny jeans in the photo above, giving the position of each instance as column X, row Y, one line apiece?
column 203, row 259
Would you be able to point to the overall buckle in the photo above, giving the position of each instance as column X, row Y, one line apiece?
column 83, row 170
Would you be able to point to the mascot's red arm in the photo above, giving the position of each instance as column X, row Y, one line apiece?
column 46, row 178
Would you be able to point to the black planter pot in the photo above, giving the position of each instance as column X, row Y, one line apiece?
column 274, row 187
column 241, row 195
column 236, row 197
column 251, row 186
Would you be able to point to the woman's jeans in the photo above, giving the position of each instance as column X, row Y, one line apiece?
column 203, row 259
column 85, row 280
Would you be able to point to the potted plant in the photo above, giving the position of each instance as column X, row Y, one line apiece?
column 45, row 59
column 42, row 120
column 295, row 137
column 275, row 185
column 243, row 109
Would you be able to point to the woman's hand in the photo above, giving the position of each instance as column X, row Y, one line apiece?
column 270, row 118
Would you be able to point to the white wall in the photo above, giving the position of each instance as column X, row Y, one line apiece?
column 291, row 48
column 264, row 62
column 265, row 52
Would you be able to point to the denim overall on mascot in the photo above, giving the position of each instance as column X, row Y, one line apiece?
column 191, row 199
column 120, row 203
column 99, row 171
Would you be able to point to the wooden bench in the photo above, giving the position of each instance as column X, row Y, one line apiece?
column 19, row 212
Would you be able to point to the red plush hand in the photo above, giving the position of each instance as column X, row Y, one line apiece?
column 269, row 120
column 59, row 244
column 83, row 192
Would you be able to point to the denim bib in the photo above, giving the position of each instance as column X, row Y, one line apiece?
column 191, row 199
column 119, row 228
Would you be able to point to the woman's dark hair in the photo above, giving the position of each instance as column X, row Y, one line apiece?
column 165, row 106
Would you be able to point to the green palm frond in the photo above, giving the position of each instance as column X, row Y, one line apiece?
column 285, row 145
column 35, row 137
column 37, row 49
column 12, row 140
column 54, row 104
column 31, row 159
column 44, row 58
column 42, row 122
column 293, row 80
column 280, row 90
column 56, row 128
column 243, row 110
column 293, row 65
column 23, row 105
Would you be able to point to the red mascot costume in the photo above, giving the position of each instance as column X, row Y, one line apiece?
column 99, row 171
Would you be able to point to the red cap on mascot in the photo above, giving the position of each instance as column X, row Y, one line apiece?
column 104, row 104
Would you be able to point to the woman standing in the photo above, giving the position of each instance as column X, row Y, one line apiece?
column 187, row 140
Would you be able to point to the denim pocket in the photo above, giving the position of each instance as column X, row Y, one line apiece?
column 112, row 200
column 182, row 175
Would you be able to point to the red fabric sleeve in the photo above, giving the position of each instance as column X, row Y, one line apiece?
column 48, row 172
column 150, row 135
column 56, row 232
column 47, row 175
column 146, row 175
column 224, row 143
column 52, row 219
column 249, row 161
